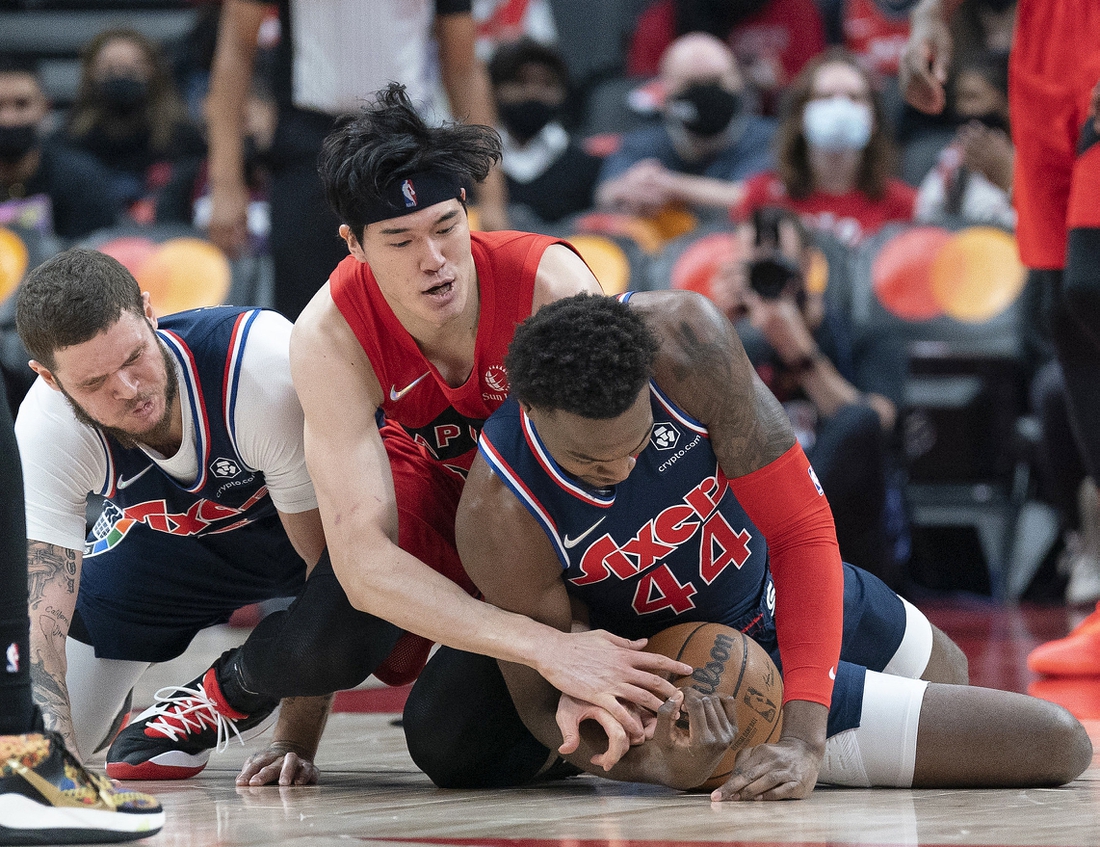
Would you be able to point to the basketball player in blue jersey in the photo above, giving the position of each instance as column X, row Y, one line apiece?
column 641, row 476
column 191, row 431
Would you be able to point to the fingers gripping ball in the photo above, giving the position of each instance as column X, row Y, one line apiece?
column 728, row 662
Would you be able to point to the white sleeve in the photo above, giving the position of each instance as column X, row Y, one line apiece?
column 63, row 460
column 268, row 421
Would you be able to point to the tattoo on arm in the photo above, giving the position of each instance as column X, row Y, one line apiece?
column 704, row 368
column 52, row 574
column 48, row 564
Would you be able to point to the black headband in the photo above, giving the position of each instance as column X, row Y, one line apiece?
column 412, row 193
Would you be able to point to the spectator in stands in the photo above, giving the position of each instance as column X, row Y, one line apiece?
column 834, row 156
column 546, row 170
column 842, row 393
column 983, row 25
column 43, row 185
column 972, row 179
column 772, row 39
column 707, row 141
column 128, row 115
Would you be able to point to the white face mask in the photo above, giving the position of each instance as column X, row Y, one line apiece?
column 837, row 123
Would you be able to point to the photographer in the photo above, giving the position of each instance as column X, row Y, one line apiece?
column 841, row 393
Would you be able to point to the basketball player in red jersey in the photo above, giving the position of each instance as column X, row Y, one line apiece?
column 1054, row 104
column 398, row 361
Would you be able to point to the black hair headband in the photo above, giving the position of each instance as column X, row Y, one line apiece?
column 412, row 193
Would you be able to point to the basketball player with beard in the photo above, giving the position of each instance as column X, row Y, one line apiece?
column 190, row 429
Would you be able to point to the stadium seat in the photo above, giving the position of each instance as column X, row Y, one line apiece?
column 607, row 260
column 178, row 266
column 954, row 297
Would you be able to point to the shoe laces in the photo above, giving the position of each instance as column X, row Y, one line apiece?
column 183, row 711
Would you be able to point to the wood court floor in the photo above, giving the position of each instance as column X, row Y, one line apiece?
column 371, row 793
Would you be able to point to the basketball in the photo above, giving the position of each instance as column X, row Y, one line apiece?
column 727, row 661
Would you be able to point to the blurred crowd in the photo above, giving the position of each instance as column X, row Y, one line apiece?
column 652, row 122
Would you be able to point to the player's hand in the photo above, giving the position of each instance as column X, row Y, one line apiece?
column 609, row 671
column 786, row 770
column 922, row 72
column 572, row 712
column 690, row 754
column 280, row 764
column 228, row 227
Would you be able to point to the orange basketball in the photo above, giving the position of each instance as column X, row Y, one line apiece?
column 727, row 661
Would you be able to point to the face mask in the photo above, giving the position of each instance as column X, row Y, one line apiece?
column 525, row 120
column 704, row 109
column 837, row 123
column 17, row 141
column 992, row 120
column 123, row 94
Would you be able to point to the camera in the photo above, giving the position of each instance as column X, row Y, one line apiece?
column 770, row 274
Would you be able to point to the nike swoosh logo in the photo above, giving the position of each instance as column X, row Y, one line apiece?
column 573, row 542
column 396, row 395
column 126, row 483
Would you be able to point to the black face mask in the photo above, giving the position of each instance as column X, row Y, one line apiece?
column 17, row 141
column 524, row 120
column 123, row 94
column 992, row 120
column 705, row 108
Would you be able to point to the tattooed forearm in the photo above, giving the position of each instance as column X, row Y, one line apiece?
column 48, row 684
column 53, row 575
column 47, row 565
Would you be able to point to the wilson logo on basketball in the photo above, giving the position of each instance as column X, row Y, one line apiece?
column 707, row 677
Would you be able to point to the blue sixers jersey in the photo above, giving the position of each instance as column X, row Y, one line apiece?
column 668, row 545
column 225, row 493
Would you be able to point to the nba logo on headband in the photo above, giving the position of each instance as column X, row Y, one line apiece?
column 409, row 192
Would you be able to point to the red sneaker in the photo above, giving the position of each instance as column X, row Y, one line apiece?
column 1078, row 654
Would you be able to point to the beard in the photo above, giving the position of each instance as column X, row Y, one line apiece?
column 159, row 431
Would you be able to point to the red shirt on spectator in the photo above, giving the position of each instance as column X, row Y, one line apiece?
column 849, row 217
column 789, row 31
column 876, row 37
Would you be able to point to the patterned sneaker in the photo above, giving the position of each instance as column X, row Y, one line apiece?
column 1078, row 654
column 46, row 797
column 172, row 739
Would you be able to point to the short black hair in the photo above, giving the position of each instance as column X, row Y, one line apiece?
column 388, row 140
column 511, row 56
column 588, row 355
column 19, row 63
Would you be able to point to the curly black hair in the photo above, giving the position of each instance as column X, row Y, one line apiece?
column 388, row 140
column 588, row 355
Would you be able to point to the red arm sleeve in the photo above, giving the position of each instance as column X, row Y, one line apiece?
column 785, row 501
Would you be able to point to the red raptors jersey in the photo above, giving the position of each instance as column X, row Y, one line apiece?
column 445, row 421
